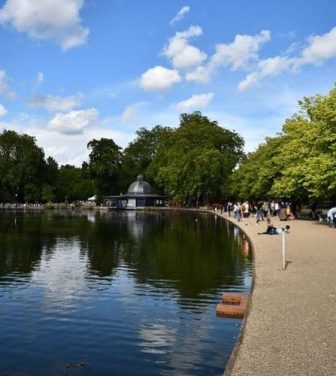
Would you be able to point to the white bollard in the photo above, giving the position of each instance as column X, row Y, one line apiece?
column 283, row 249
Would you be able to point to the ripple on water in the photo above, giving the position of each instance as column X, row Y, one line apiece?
column 113, row 300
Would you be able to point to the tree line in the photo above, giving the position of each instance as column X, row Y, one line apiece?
column 196, row 162
column 189, row 163
column 300, row 163
column 26, row 176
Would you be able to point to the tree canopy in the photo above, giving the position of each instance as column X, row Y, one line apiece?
column 25, row 175
column 196, row 159
column 21, row 164
column 301, row 162
column 104, row 165
column 140, row 153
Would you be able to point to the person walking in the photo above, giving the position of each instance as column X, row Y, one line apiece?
column 259, row 212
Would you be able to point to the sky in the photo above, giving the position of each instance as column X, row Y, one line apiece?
column 76, row 70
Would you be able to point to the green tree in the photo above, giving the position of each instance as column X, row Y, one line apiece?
column 300, row 164
column 140, row 153
column 309, row 163
column 195, row 161
column 105, row 165
column 50, row 187
column 74, row 184
column 256, row 174
column 22, row 167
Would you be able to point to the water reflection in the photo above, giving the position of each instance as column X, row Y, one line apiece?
column 21, row 243
column 171, row 249
column 122, row 290
column 66, row 264
column 157, row 338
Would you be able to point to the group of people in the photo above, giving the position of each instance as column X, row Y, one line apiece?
column 261, row 210
column 266, row 209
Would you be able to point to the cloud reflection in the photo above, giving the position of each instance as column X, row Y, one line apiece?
column 62, row 272
column 157, row 338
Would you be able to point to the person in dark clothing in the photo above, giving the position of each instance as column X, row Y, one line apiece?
column 272, row 230
column 313, row 208
column 283, row 214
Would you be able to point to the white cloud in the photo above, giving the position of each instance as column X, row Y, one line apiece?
column 236, row 55
column 128, row 115
column 131, row 113
column 57, row 20
column 65, row 147
column 267, row 67
column 241, row 51
column 159, row 78
column 249, row 81
column 54, row 103
column 287, row 35
column 193, row 31
column 181, row 53
column 188, row 56
column 195, row 102
column 73, row 122
column 72, row 149
column 4, row 87
column 275, row 65
column 3, row 111
column 201, row 75
column 179, row 15
column 293, row 48
column 39, row 79
column 320, row 48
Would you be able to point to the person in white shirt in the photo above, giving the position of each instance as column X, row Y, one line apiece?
column 331, row 217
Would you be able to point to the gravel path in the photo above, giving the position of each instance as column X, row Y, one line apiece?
column 291, row 325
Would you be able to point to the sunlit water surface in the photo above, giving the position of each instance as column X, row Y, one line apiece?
column 117, row 293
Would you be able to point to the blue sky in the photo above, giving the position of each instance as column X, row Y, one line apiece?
column 74, row 70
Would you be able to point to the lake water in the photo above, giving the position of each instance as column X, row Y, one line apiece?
column 118, row 293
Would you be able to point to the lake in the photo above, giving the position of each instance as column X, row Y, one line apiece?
column 118, row 293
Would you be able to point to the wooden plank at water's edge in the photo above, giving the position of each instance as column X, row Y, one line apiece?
column 232, row 305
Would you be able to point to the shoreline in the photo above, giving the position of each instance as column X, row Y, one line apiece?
column 290, row 325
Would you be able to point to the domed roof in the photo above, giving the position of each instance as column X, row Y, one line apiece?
column 140, row 187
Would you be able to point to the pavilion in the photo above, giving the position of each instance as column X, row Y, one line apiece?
column 140, row 194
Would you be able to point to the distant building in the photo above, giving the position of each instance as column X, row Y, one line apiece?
column 140, row 194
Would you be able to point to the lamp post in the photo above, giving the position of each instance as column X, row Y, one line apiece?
column 283, row 250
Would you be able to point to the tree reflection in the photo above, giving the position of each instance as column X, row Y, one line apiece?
column 21, row 242
column 191, row 253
